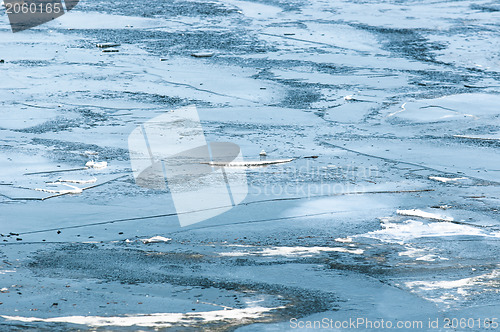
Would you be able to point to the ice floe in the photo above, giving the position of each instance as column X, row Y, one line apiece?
column 156, row 239
column 202, row 54
column 449, row 108
column 96, row 164
column 73, row 190
column 420, row 254
column 423, row 214
column 481, row 137
column 445, row 180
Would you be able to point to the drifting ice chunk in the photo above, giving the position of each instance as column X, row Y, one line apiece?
column 96, row 165
column 91, row 153
column 443, row 179
column 248, row 163
column 202, row 55
column 483, row 137
column 156, row 239
column 106, row 45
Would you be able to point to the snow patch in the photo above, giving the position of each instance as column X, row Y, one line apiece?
column 344, row 240
column 399, row 232
column 158, row 320
column 93, row 180
column 293, row 251
column 445, row 180
column 460, row 285
column 420, row 254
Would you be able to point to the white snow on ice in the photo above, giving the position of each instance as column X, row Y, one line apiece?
column 445, row 180
column 292, row 251
column 344, row 240
column 158, row 320
column 156, row 239
column 421, row 254
column 93, row 180
column 400, row 232
column 461, row 287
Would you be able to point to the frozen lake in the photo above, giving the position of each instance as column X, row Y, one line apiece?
column 396, row 219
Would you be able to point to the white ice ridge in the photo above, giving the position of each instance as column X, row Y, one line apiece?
column 443, row 179
column 158, row 320
column 292, row 251
column 423, row 214
column 248, row 163
column 73, row 190
column 60, row 181
column 156, row 239
column 399, row 111
column 486, row 138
